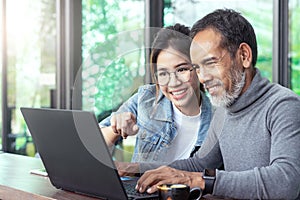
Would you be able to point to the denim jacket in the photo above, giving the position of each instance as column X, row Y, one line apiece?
column 156, row 125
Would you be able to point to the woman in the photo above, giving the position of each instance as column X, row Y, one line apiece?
column 170, row 118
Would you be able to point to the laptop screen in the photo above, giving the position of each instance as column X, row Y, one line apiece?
column 74, row 152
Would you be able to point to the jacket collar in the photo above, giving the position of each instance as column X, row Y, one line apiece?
column 162, row 109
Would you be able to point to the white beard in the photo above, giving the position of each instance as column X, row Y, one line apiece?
column 227, row 99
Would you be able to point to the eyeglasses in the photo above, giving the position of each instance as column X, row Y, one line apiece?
column 208, row 64
column 182, row 73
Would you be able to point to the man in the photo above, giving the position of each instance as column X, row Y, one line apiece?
column 255, row 133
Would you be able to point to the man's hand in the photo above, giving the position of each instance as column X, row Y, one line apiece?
column 127, row 168
column 124, row 124
column 164, row 175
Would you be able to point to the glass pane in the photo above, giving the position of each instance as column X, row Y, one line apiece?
column 294, row 41
column 113, row 57
column 260, row 16
column 113, row 53
column 31, row 41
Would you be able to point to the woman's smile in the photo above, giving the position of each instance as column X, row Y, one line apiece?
column 178, row 94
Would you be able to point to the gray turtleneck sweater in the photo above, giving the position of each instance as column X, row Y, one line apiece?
column 258, row 141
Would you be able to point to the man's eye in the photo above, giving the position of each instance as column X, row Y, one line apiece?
column 210, row 64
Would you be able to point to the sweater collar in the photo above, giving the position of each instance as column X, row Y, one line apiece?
column 257, row 88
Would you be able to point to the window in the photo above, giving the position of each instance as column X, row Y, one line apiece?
column 113, row 53
column 294, row 41
column 30, row 65
column 113, row 56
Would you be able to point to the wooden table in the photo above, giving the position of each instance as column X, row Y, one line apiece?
column 16, row 181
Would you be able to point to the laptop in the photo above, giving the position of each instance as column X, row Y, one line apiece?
column 75, row 155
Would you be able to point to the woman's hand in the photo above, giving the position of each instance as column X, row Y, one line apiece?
column 167, row 175
column 124, row 124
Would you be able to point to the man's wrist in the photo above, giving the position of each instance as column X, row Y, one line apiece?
column 209, row 177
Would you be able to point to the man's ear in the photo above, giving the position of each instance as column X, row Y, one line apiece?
column 245, row 55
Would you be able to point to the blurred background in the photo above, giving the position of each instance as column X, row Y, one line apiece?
column 93, row 54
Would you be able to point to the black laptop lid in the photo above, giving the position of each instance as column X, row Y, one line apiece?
column 74, row 152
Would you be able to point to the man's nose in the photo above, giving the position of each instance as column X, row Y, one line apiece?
column 201, row 79
column 204, row 76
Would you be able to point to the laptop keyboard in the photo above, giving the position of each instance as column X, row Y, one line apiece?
column 130, row 190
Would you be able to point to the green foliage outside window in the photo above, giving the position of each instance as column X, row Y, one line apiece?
column 262, row 23
column 113, row 64
column 295, row 49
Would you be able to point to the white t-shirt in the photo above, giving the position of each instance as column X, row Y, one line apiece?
column 187, row 132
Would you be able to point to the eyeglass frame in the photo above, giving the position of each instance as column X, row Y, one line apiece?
column 193, row 67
